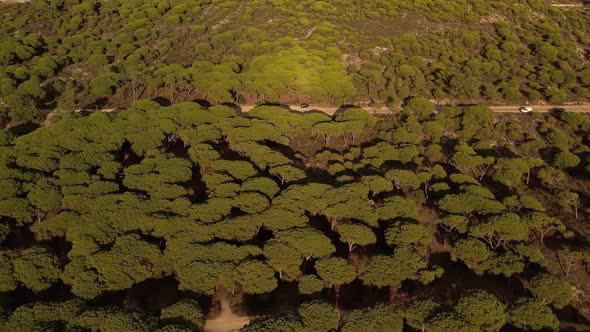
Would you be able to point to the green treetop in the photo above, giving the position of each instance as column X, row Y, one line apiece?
column 532, row 314
column 482, row 310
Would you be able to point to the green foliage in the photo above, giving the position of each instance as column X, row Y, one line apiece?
column 453, row 222
column 551, row 290
column 307, row 242
column 482, row 310
column 407, row 234
column 506, row 263
column 418, row 310
column 397, row 207
column 544, row 225
column 422, row 107
column 37, row 268
column 403, row 178
column 45, row 196
column 33, row 317
column 8, row 281
column 501, row 228
column 283, row 258
column 240, row 170
column 470, row 199
column 476, row 121
column 356, row 234
column 222, row 200
column 318, row 316
column 448, row 321
column 256, row 277
column 565, row 159
column 129, row 261
column 381, row 317
column 391, row 271
column 111, row 319
column 309, row 284
column 335, row 270
column 510, row 171
column 472, row 252
column 185, row 311
column 528, row 313
column 282, row 323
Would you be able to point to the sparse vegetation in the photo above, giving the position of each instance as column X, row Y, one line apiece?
column 110, row 53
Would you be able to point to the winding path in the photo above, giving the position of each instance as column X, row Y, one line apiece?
column 579, row 108
column 386, row 110
column 227, row 321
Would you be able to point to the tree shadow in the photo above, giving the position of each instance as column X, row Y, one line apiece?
column 202, row 102
column 310, row 111
column 162, row 101
column 284, row 298
column 97, row 104
column 458, row 278
column 357, row 295
column 233, row 106
column 24, row 129
column 345, row 107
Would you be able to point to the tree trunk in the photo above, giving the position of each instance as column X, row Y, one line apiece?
column 570, row 264
column 337, row 294
column 350, row 247
column 528, row 176
column 188, row 92
column 134, row 90
column 142, row 92
column 333, row 222
column 391, row 294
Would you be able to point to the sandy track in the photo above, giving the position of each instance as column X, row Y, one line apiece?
column 385, row 110
column 376, row 110
column 227, row 321
column 542, row 108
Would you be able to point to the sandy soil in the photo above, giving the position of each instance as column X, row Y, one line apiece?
column 584, row 108
column 386, row 110
column 227, row 321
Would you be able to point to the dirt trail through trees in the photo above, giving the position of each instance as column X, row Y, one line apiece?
column 386, row 110
column 382, row 110
column 227, row 321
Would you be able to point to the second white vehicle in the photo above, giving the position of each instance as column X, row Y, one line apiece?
column 525, row 109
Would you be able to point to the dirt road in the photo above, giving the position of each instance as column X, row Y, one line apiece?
column 585, row 108
column 227, row 321
column 542, row 108
column 386, row 110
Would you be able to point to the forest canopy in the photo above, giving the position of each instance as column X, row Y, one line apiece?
column 212, row 204
column 155, row 176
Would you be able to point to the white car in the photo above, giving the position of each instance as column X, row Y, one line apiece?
column 525, row 109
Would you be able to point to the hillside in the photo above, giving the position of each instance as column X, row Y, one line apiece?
column 109, row 53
